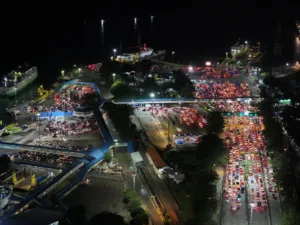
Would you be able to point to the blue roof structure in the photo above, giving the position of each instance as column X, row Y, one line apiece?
column 75, row 82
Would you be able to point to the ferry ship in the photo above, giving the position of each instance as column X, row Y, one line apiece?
column 143, row 53
column 17, row 80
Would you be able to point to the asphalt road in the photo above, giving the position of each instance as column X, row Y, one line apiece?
column 127, row 167
column 161, row 190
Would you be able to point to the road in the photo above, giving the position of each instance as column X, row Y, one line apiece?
column 127, row 167
column 153, row 128
column 156, row 136
column 163, row 193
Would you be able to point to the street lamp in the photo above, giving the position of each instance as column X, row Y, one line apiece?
column 190, row 70
column 133, row 179
column 152, row 95
column 38, row 115
column 287, row 64
column 79, row 69
column 252, row 205
column 173, row 56
column 115, row 51
column 114, row 75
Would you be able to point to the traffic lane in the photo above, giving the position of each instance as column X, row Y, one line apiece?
column 127, row 167
column 274, row 203
column 147, row 202
column 163, row 194
column 237, row 218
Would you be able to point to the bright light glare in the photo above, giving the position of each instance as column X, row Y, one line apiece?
column 287, row 64
column 247, row 113
column 208, row 63
column 190, row 68
column 152, row 95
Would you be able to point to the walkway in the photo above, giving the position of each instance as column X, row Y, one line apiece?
column 178, row 100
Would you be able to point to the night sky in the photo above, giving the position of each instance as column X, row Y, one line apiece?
column 55, row 36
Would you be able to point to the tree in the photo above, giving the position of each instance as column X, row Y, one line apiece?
column 210, row 151
column 120, row 117
column 187, row 91
column 107, row 218
column 4, row 163
column 121, row 90
column 215, row 123
column 181, row 80
column 149, row 85
column 74, row 216
column 140, row 217
column 108, row 157
column 204, row 197
column 290, row 217
column 132, row 200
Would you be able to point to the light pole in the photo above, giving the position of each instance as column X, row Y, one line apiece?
column 152, row 95
column 190, row 70
column 133, row 179
column 62, row 73
column 173, row 56
column 79, row 69
column 252, row 206
column 114, row 76
column 38, row 115
column 115, row 51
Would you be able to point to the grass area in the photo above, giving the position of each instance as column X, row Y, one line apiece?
column 185, row 207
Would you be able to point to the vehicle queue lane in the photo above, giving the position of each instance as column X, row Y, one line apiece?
column 243, row 138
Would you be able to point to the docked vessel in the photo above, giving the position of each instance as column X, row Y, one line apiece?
column 17, row 80
column 143, row 53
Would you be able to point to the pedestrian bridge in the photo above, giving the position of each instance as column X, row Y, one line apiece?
column 180, row 100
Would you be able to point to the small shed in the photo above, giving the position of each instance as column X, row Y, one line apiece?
column 136, row 158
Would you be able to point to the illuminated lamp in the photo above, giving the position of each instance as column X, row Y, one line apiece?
column 208, row 63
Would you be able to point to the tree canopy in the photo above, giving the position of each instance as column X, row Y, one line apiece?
column 120, row 117
column 107, row 218
column 187, row 91
column 133, row 203
column 211, row 151
column 121, row 90
column 215, row 123
column 74, row 216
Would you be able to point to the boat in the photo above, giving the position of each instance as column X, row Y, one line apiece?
column 17, row 80
column 143, row 53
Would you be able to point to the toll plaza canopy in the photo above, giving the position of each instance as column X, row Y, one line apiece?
column 76, row 82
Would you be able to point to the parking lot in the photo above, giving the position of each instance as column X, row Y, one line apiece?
column 98, row 196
